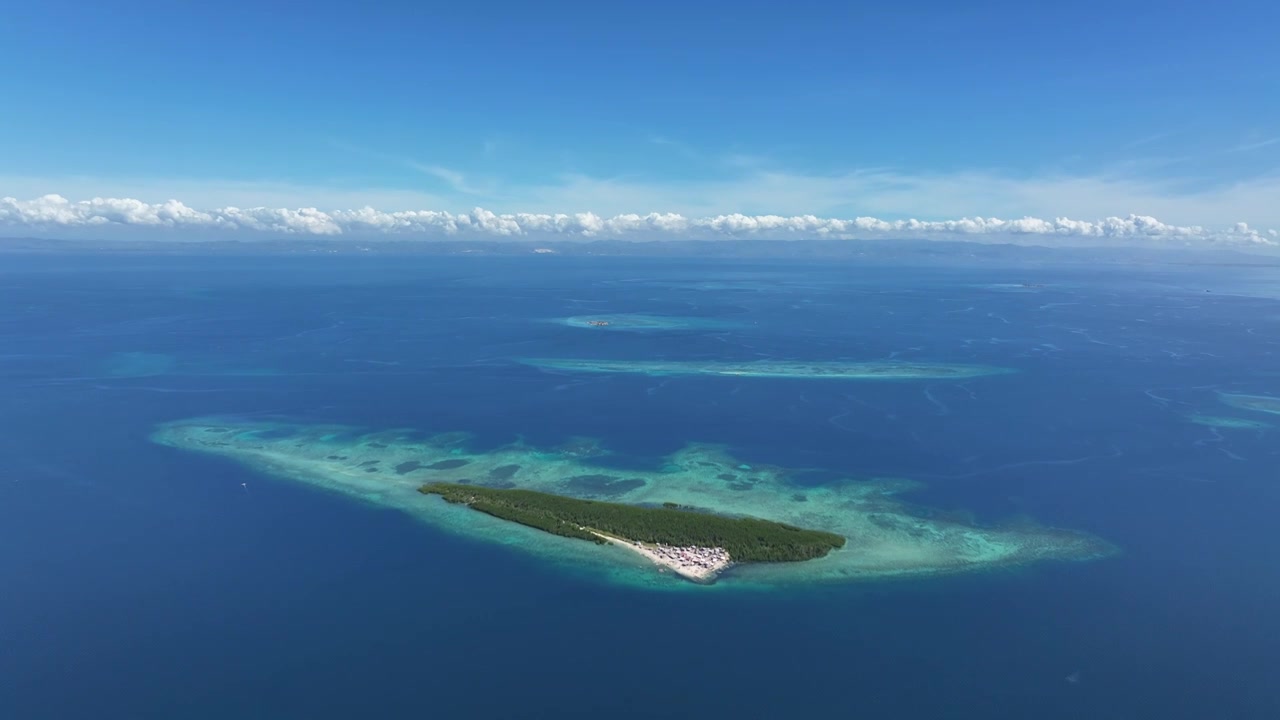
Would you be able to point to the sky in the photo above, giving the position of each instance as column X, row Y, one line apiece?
column 805, row 118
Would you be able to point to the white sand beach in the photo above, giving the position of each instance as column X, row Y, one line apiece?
column 695, row 563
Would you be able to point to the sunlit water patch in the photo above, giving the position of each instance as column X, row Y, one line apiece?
column 138, row 364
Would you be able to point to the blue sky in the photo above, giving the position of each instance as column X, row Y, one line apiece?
column 930, row 110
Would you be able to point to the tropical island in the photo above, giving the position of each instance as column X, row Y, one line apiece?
column 887, row 370
column 694, row 544
column 886, row 538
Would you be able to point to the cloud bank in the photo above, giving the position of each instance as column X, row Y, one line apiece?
column 173, row 219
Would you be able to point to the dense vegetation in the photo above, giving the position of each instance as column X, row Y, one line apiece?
column 746, row 539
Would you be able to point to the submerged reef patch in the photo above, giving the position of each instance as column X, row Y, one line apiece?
column 637, row 322
column 885, row 538
column 1228, row 423
column 602, row 485
column 504, row 472
column 773, row 369
column 138, row 364
column 1258, row 403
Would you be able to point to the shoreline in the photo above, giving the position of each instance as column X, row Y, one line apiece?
column 688, row 571
column 890, row 541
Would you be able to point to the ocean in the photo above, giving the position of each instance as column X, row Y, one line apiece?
column 144, row 581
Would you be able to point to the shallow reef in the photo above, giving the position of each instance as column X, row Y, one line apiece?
column 885, row 537
column 1228, row 423
column 636, row 322
column 1259, row 403
column 774, row 369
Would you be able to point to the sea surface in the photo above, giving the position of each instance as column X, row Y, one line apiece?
column 141, row 581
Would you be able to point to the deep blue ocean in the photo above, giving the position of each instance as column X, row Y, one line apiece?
column 139, row 581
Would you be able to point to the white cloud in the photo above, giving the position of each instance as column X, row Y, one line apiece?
column 50, row 214
column 748, row 189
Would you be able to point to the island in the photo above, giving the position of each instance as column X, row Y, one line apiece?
column 885, row 537
column 887, row 370
column 696, row 545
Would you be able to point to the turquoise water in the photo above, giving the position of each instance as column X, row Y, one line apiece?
column 147, row 581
